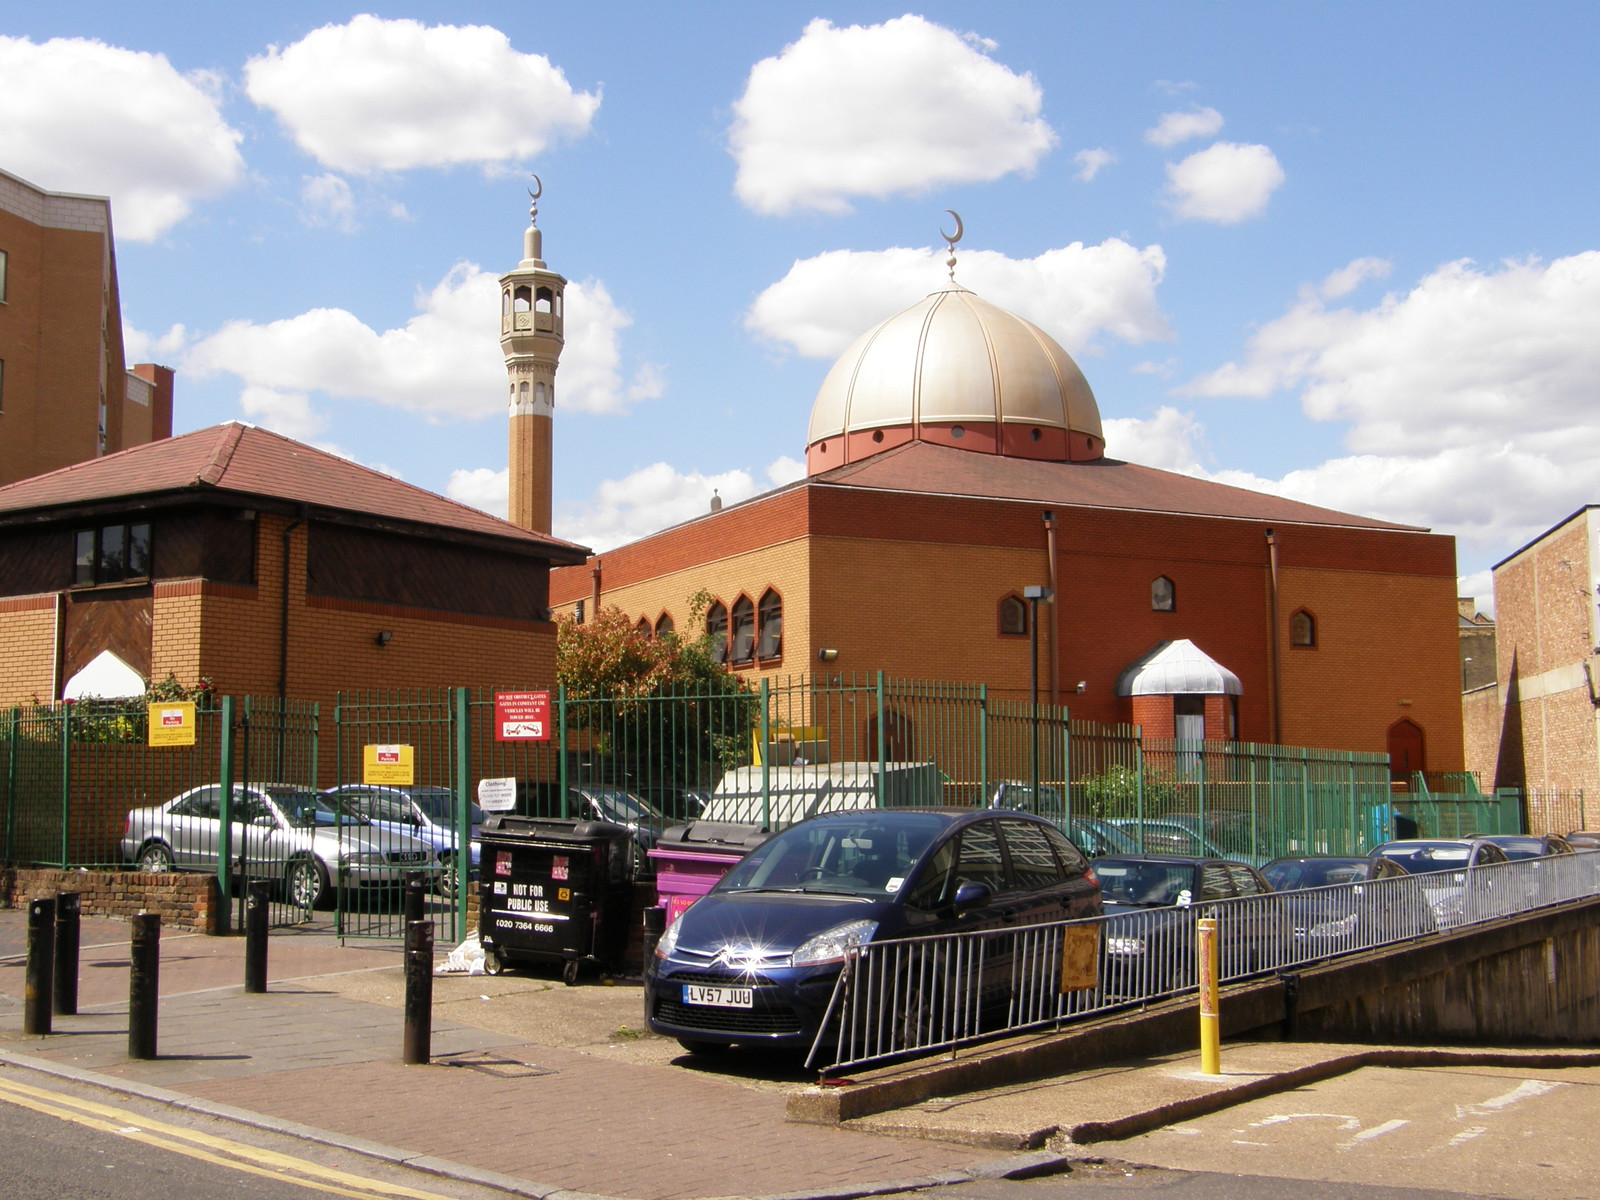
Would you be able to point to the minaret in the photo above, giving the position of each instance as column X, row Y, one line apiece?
column 531, row 325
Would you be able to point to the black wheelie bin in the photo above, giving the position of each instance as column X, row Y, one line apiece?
column 553, row 891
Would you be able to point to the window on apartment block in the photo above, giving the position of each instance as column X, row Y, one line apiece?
column 1302, row 629
column 744, row 630
column 717, row 631
column 1163, row 595
column 1013, row 617
column 111, row 554
column 770, row 615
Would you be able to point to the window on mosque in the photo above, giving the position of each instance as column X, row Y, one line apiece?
column 769, row 643
column 1163, row 595
column 643, row 628
column 522, row 299
column 664, row 625
column 744, row 630
column 1013, row 617
column 1302, row 629
column 717, row 631
column 2, row 276
column 111, row 554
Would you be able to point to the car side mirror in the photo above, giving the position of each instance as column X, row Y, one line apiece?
column 971, row 895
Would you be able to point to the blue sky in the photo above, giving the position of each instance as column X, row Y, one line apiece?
column 1346, row 252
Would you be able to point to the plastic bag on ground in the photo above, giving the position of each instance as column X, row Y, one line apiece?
column 465, row 959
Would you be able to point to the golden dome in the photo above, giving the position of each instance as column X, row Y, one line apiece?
column 958, row 371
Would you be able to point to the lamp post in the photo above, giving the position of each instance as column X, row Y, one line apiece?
column 1033, row 595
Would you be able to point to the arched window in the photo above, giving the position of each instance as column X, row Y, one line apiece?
column 1013, row 617
column 521, row 299
column 643, row 628
column 1163, row 595
column 543, row 300
column 744, row 630
column 717, row 631
column 770, row 618
column 664, row 625
column 1302, row 629
column 505, row 303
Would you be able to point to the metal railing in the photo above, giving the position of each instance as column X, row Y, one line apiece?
column 920, row 995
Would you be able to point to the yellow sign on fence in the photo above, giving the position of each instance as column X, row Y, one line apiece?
column 171, row 723
column 387, row 764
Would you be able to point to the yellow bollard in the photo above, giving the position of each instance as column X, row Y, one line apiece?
column 1206, row 962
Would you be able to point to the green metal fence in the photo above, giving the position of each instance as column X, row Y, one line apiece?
column 764, row 753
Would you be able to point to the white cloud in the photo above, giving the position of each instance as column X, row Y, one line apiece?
column 1175, row 127
column 288, row 413
column 381, row 95
column 1469, row 400
column 326, row 200
column 1480, row 586
column 785, row 470
column 1225, row 183
column 445, row 362
column 1169, row 440
column 482, row 488
column 1092, row 162
column 139, row 346
column 1348, row 278
column 649, row 500
column 1074, row 293
column 82, row 116
column 880, row 110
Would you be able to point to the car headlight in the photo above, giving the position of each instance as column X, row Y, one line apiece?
column 1337, row 928
column 1125, row 945
column 668, row 941
column 360, row 858
column 831, row 944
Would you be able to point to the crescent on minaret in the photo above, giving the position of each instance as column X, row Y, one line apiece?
column 955, row 237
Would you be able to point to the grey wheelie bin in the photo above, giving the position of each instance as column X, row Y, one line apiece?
column 553, row 891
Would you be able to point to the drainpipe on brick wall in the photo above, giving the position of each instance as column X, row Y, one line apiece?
column 1274, row 667
column 1055, row 608
column 283, row 612
column 594, row 590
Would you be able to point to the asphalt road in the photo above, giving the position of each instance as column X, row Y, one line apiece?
column 73, row 1142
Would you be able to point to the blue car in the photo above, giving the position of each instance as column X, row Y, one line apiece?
column 427, row 813
column 754, row 961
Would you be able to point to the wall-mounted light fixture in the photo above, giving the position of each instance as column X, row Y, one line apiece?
column 827, row 655
column 1083, row 685
column 384, row 638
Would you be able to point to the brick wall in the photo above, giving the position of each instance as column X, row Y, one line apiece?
column 28, row 663
column 187, row 901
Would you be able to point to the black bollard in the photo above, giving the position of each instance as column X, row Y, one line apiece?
column 1291, row 1004
column 419, row 993
column 144, row 985
column 255, row 937
column 68, row 907
column 40, row 972
column 415, row 898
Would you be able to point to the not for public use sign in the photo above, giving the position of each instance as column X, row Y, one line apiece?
column 521, row 716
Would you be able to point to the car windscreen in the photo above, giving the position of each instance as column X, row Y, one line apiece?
column 869, row 854
column 304, row 809
column 1421, row 857
column 1144, row 882
column 439, row 805
column 1520, row 847
column 623, row 808
column 1291, row 875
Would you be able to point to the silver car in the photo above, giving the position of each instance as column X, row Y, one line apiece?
column 280, row 832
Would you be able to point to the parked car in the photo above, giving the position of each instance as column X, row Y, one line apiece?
column 1455, row 880
column 755, row 960
column 1584, row 839
column 1174, row 835
column 1527, row 845
column 589, row 802
column 280, row 832
column 1347, row 902
column 1152, row 902
column 1092, row 835
column 423, row 812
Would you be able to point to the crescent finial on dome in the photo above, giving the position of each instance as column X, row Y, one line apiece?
column 950, row 242
column 534, row 193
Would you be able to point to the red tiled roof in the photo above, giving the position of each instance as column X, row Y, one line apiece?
column 1107, row 483
column 246, row 461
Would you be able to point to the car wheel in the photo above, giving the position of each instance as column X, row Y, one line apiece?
column 306, row 884
column 155, row 859
column 694, row 1046
column 924, row 992
column 449, row 876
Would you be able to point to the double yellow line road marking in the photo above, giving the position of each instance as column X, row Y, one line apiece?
column 206, row 1147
